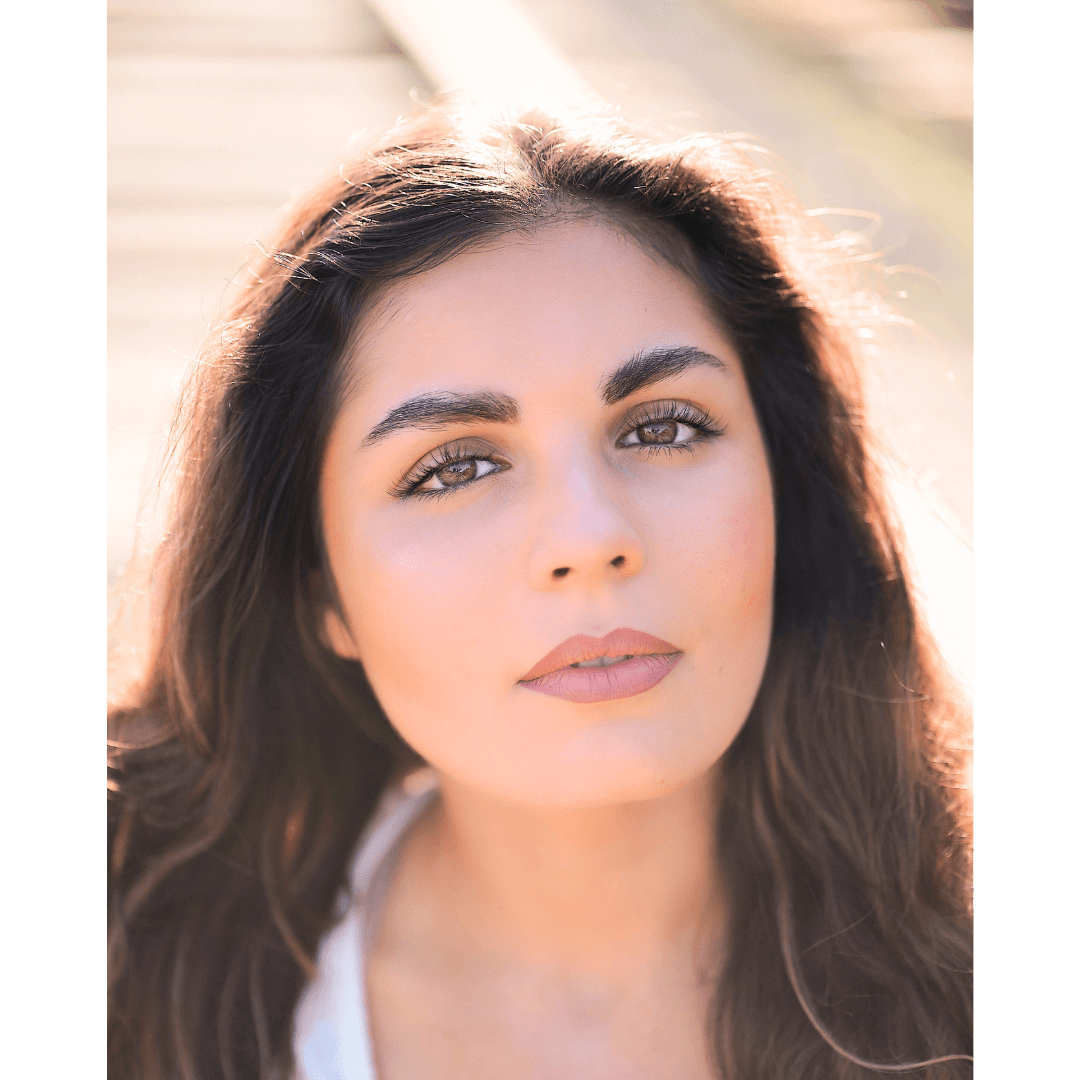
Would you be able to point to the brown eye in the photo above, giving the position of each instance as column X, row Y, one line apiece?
column 454, row 474
column 457, row 472
column 660, row 432
column 664, row 432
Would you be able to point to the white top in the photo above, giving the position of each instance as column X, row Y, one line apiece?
column 331, row 1040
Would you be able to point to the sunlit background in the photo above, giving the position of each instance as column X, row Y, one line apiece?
column 221, row 110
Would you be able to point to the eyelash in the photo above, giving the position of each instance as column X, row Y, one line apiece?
column 451, row 454
column 678, row 412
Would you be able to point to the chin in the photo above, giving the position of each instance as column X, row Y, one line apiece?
column 620, row 761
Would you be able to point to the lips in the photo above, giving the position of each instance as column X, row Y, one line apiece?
column 620, row 664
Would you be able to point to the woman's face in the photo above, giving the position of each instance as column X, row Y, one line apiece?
column 550, row 440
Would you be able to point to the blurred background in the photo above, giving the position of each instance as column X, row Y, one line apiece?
column 221, row 110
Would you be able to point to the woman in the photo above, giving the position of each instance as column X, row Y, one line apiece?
column 532, row 454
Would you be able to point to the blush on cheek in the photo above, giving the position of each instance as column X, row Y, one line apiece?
column 731, row 561
column 750, row 535
column 758, row 544
column 419, row 634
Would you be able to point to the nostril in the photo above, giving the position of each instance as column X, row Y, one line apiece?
column 619, row 562
column 561, row 572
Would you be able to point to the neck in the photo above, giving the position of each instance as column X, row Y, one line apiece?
column 610, row 891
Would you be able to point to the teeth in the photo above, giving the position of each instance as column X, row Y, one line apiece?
column 603, row 661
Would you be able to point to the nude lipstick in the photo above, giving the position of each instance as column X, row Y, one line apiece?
column 588, row 669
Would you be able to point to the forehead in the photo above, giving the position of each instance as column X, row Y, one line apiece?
column 560, row 305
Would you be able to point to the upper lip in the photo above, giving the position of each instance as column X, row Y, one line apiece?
column 582, row 647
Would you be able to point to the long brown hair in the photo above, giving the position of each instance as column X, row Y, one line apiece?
column 247, row 757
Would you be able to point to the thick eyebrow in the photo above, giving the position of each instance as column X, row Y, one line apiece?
column 430, row 411
column 652, row 366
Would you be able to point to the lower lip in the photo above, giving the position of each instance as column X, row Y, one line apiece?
column 588, row 684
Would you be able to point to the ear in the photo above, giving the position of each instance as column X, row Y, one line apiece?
column 337, row 636
column 334, row 631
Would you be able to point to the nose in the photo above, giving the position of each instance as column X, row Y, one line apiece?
column 583, row 536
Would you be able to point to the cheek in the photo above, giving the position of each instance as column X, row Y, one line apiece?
column 424, row 607
column 717, row 557
column 741, row 579
column 718, row 551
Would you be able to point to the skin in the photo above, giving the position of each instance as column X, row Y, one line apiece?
column 555, row 914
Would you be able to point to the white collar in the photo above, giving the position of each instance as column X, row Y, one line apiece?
column 331, row 1040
